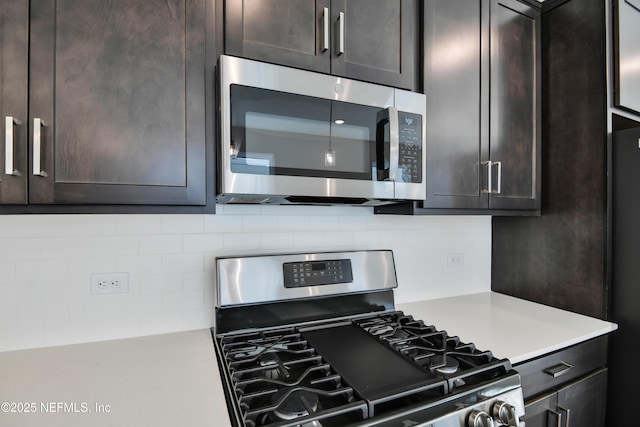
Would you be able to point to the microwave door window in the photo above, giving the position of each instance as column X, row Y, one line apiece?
column 278, row 133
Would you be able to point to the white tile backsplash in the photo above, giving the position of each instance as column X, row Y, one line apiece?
column 46, row 262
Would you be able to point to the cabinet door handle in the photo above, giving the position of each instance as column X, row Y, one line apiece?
column 568, row 415
column 489, row 165
column 341, row 25
column 499, row 190
column 325, row 29
column 560, row 369
column 38, row 124
column 10, row 122
column 558, row 418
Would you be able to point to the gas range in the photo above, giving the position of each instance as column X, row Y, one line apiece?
column 314, row 340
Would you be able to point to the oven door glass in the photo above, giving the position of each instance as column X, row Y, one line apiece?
column 278, row 133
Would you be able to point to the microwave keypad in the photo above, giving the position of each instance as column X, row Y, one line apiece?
column 410, row 155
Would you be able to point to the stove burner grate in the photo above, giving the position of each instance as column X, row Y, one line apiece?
column 279, row 380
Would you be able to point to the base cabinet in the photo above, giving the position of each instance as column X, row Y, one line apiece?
column 581, row 403
column 568, row 387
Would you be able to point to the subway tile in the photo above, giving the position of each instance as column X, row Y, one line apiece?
column 65, row 247
column 182, row 224
column 7, row 271
column 183, row 263
column 40, row 225
column 139, row 264
column 198, row 319
column 210, row 242
column 139, row 305
column 185, row 301
column 161, row 323
column 197, row 282
column 241, row 241
column 222, row 224
column 161, row 283
column 352, row 223
column 81, row 268
column 261, row 223
column 294, row 223
column 138, row 224
column 274, row 241
column 114, row 245
column 17, row 248
column 7, row 226
column 41, row 270
column 91, row 225
column 163, row 244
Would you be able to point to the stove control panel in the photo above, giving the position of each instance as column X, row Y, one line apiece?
column 317, row 273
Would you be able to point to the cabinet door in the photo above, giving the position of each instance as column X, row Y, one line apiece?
column 376, row 41
column 280, row 31
column 584, row 401
column 627, row 83
column 456, row 81
column 14, row 56
column 515, row 106
column 117, row 102
column 542, row 412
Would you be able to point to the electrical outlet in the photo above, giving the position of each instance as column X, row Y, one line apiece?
column 455, row 260
column 109, row 283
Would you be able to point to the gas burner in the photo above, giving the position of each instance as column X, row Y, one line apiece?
column 444, row 365
column 274, row 368
column 295, row 404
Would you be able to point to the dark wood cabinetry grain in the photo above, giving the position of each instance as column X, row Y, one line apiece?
column 567, row 387
column 118, row 94
column 482, row 80
column 380, row 37
column 14, row 59
column 120, row 86
column 559, row 258
column 515, row 105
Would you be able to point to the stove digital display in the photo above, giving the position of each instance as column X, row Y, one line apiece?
column 317, row 273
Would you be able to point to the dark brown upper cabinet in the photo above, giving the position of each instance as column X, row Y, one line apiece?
column 482, row 74
column 627, row 52
column 371, row 40
column 116, row 102
column 14, row 57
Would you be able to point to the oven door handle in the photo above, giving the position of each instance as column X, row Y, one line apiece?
column 387, row 171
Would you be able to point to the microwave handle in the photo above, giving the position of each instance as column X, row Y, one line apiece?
column 388, row 116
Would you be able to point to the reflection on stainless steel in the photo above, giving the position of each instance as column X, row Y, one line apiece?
column 348, row 358
column 238, row 278
column 247, row 187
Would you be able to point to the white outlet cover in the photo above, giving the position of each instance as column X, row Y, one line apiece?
column 109, row 283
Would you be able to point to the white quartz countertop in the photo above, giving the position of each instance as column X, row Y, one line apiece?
column 173, row 379
column 510, row 327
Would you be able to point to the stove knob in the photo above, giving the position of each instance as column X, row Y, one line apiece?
column 479, row 419
column 505, row 413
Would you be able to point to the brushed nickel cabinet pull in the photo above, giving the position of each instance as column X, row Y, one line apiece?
column 325, row 29
column 10, row 122
column 489, row 165
column 38, row 124
column 568, row 415
column 558, row 370
column 499, row 190
column 341, row 28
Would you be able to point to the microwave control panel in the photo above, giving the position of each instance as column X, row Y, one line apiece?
column 410, row 147
column 315, row 273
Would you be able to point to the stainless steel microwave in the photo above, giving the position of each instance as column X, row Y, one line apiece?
column 295, row 136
